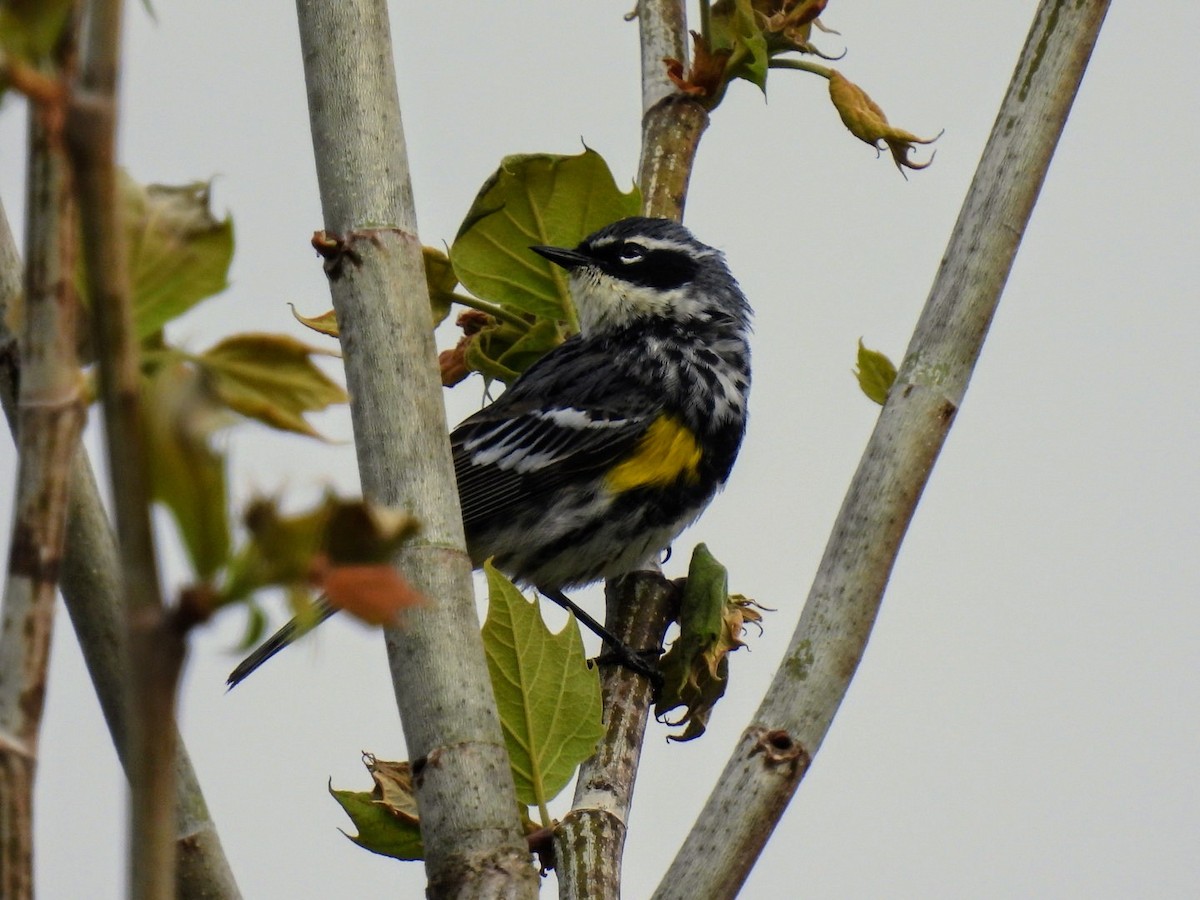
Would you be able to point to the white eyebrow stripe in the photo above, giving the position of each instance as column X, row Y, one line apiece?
column 652, row 243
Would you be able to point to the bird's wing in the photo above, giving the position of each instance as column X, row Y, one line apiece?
column 569, row 413
column 503, row 460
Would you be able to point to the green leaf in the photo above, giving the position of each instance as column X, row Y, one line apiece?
column 178, row 253
column 704, row 596
column 485, row 348
column 280, row 550
column 29, row 29
column 256, row 624
column 735, row 27
column 441, row 281
column 875, row 373
column 502, row 351
column 531, row 200
column 187, row 475
column 696, row 668
column 386, row 817
column 364, row 533
column 540, row 338
column 548, row 698
column 341, row 547
column 271, row 378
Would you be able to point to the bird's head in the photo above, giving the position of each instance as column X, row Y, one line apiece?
column 641, row 268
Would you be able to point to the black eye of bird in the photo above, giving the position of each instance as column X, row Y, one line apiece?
column 661, row 268
column 631, row 253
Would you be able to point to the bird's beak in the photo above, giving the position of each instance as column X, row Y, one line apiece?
column 568, row 259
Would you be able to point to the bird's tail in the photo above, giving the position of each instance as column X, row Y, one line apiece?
column 296, row 628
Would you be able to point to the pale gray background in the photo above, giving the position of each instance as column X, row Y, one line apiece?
column 1024, row 723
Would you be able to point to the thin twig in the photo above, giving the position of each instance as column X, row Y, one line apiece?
column 492, row 309
column 802, row 65
column 50, row 416
column 469, row 823
column 590, row 840
column 37, row 86
column 672, row 123
column 671, row 133
column 662, row 35
column 155, row 648
column 776, row 749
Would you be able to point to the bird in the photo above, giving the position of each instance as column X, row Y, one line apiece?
column 597, row 457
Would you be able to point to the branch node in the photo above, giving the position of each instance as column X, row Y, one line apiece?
column 779, row 748
column 14, row 746
column 335, row 249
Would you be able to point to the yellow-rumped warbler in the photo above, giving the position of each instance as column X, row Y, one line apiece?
column 612, row 443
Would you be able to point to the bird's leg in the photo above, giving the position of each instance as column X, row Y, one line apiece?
column 618, row 651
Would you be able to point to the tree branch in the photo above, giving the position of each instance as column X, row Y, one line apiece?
column 776, row 749
column 51, row 413
column 473, row 840
column 590, row 840
column 662, row 35
column 672, row 123
column 156, row 648
column 92, row 591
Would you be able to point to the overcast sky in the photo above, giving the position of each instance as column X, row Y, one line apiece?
column 1024, row 723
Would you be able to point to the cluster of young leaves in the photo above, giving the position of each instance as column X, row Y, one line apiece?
column 517, row 304
column 341, row 549
column 747, row 38
column 179, row 256
column 696, row 668
column 550, row 711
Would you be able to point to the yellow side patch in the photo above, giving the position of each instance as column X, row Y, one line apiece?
column 666, row 453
